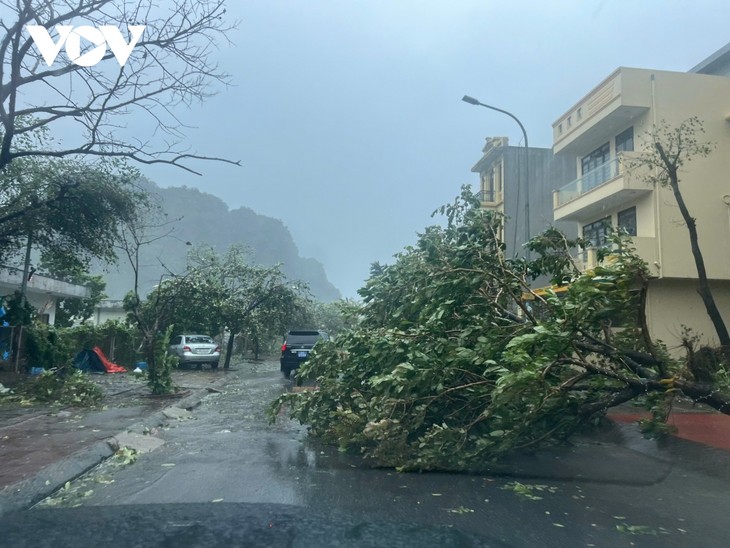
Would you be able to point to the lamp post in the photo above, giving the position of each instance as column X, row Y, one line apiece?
column 473, row 101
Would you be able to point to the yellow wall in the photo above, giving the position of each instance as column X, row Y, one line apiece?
column 674, row 303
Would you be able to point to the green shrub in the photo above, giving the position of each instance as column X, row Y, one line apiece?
column 65, row 386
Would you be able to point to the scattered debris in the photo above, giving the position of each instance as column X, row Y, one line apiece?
column 640, row 530
column 526, row 490
column 124, row 456
column 139, row 443
column 177, row 413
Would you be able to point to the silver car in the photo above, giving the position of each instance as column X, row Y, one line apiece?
column 195, row 349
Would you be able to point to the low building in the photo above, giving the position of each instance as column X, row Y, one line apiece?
column 42, row 292
column 109, row 310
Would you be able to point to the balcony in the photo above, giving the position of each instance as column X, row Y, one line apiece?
column 605, row 188
column 645, row 247
column 489, row 198
column 611, row 106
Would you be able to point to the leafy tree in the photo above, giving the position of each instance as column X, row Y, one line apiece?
column 239, row 296
column 335, row 317
column 17, row 310
column 68, row 209
column 70, row 311
column 171, row 65
column 457, row 362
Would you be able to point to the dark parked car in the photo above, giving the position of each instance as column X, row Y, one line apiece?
column 195, row 349
column 298, row 343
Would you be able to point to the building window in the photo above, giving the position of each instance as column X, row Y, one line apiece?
column 489, row 190
column 627, row 220
column 595, row 167
column 560, row 129
column 625, row 141
column 597, row 233
column 579, row 113
column 595, row 159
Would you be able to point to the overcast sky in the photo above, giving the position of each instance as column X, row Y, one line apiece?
column 347, row 115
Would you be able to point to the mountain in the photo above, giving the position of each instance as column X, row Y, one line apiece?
column 200, row 218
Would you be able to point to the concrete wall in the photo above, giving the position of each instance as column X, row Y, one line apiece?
column 546, row 173
column 672, row 304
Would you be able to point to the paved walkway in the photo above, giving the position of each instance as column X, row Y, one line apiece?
column 35, row 438
column 691, row 423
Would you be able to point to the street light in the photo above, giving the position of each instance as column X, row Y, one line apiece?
column 473, row 101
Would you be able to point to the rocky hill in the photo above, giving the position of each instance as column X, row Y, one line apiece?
column 201, row 218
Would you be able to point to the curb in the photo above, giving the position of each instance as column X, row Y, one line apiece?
column 30, row 491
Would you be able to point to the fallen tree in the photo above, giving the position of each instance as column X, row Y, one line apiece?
column 457, row 361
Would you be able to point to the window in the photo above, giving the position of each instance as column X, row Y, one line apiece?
column 492, row 184
column 627, row 220
column 595, row 168
column 595, row 159
column 489, row 190
column 597, row 232
column 625, row 141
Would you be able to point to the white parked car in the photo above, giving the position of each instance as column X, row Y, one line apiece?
column 195, row 349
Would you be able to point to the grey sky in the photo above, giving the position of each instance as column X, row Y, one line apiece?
column 347, row 116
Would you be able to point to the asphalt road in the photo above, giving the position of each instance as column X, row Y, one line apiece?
column 226, row 477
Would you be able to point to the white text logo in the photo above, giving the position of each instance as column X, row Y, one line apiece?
column 100, row 37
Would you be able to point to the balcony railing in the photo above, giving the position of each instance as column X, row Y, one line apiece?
column 489, row 196
column 593, row 179
column 645, row 247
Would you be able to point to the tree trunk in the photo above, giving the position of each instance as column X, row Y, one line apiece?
column 229, row 350
column 703, row 284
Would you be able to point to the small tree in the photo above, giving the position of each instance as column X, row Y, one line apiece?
column 238, row 295
column 150, row 316
column 669, row 151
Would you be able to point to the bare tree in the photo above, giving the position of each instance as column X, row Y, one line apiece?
column 670, row 150
column 171, row 66
column 149, row 316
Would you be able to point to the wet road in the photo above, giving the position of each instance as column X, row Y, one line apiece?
column 228, row 460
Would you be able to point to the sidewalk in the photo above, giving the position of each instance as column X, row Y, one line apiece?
column 694, row 423
column 42, row 447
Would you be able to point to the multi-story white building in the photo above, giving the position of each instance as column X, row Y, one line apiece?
column 614, row 120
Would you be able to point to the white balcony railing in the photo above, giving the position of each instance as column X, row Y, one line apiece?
column 593, row 179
